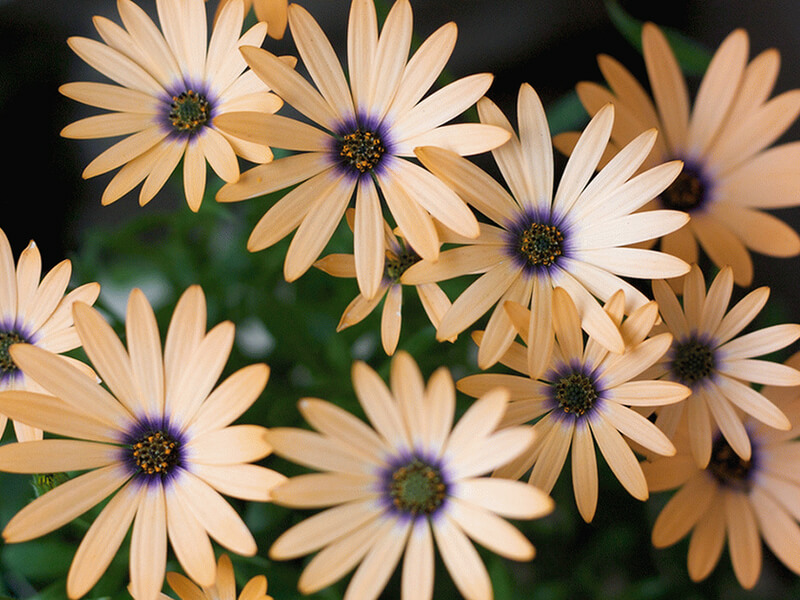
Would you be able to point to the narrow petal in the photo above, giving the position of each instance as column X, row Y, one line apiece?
column 619, row 457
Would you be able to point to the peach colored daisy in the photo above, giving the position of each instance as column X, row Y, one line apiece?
column 362, row 134
column 224, row 588
column 718, row 366
column 395, row 489
column 399, row 257
column 539, row 240
column 730, row 173
column 158, row 441
column 584, row 397
column 734, row 500
column 35, row 312
column 171, row 86
column 272, row 12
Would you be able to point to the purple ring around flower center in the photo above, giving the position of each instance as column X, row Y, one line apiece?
column 153, row 451
column 360, row 146
column 537, row 241
column 413, row 486
column 575, row 391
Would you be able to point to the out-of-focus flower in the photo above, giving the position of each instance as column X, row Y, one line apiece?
column 395, row 489
column 364, row 130
column 224, row 588
column 171, row 87
column 271, row 12
column 730, row 175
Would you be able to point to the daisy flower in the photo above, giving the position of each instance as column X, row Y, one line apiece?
column 584, row 398
column 394, row 490
column 733, row 499
column 362, row 135
column 271, row 12
column 35, row 312
column 158, row 441
column 171, row 86
column 539, row 240
column 718, row 366
column 224, row 588
column 730, row 174
column 399, row 257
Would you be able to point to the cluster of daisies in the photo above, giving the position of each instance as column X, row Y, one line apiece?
column 602, row 331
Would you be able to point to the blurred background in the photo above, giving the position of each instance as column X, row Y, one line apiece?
column 163, row 247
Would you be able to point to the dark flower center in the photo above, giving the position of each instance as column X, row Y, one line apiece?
column 417, row 488
column 686, row 193
column 155, row 452
column 362, row 150
column 540, row 245
column 189, row 111
column 7, row 339
column 727, row 467
column 575, row 393
column 693, row 361
column 397, row 264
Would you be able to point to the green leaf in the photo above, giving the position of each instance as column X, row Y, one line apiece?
column 692, row 56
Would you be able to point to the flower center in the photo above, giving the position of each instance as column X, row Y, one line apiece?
column 396, row 264
column 189, row 111
column 155, row 452
column 362, row 150
column 417, row 488
column 686, row 193
column 540, row 245
column 7, row 339
column 693, row 361
column 727, row 467
column 575, row 394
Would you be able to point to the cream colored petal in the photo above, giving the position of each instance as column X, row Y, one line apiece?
column 635, row 262
column 368, row 242
column 567, row 324
column 501, row 329
column 668, row 85
column 780, row 532
column 741, row 314
column 115, row 65
column 111, row 97
column 477, row 299
column 170, row 155
column 419, row 567
column 64, row 503
column 717, row 91
column 341, row 556
column 373, row 573
column 631, row 229
column 362, row 42
column 69, row 384
column 670, row 309
column 359, row 309
column 464, row 139
column 583, row 161
column 321, row 529
column 246, row 481
column 648, row 393
column 335, row 422
column 389, row 59
column 226, row 581
column 584, row 470
column 552, row 452
column 761, row 342
column 507, row 498
column 477, row 423
column 759, row 231
column 8, row 280
column 223, row 61
column 125, row 150
column 629, row 365
column 144, row 347
column 287, row 214
column 435, row 302
column 634, row 426
column 767, row 180
column 462, row 560
column 337, row 265
column 188, row 537
column 321, row 61
column 602, row 284
column 215, row 515
column 537, row 150
column 744, row 543
column 131, row 175
column 491, row 531
column 320, row 452
column 509, row 155
column 148, row 553
column 424, row 68
column 619, row 457
column 379, row 405
column 29, row 270
column 442, row 106
column 316, row 229
column 103, row 539
column 56, row 456
column 234, row 444
column 761, row 371
column 219, row 153
column 39, row 307
column 717, row 299
column 470, row 182
column 186, row 330
column 231, row 398
column 686, row 507
column 391, row 319
column 753, row 403
column 668, row 473
column 728, row 420
column 464, row 260
column 290, row 85
column 194, row 174
column 274, row 130
column 706, row 544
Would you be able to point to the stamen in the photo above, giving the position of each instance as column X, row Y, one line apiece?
column 396, row 264
column 189, row 111
column 686, row 193
column 362, row 150
column 575, row 394
column 693, row 361
column 417, row 488
column 540, row 245
column 727, row 467
column 8, row 339
column 156, row 452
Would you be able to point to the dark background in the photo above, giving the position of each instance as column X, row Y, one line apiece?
column 550, row 44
